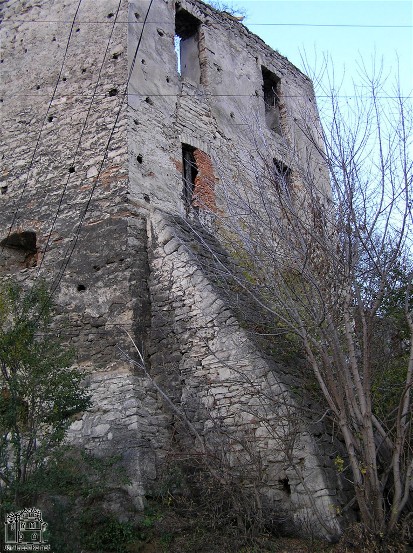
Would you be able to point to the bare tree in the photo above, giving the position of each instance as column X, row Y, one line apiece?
column 231, row 462
column 229, row 8
column 322, row 239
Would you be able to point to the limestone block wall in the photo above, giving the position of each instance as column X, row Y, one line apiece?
column 64, row 211
column 233, row 395
column 223, row 114
column 126, row 418
column 61, row 94
column 95, row 116
column 152, row 100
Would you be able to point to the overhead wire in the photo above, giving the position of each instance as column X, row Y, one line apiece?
column 20, row 198
column 209, row 95
column 287, row 24
column 145, row 22
column 72, row 246
column 79, row 141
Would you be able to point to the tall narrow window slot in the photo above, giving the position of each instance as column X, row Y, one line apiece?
column 271, row 88
column 187, row 45
column 190, row 172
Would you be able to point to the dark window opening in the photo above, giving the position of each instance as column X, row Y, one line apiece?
column 187, row 45
column 271, row 88
column 285, row 485
column 19, row 251
column 282, row 176
column 21, row 241
column 190, row 172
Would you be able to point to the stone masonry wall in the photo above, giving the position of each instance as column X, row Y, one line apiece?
column 92, row 200
column 65, row 182
column 231, row 392
column 223, row 115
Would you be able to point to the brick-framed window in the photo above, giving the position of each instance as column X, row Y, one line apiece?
column 189, row 174
column 198, row 180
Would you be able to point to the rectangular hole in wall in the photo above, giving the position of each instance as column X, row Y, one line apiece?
column 19, row 251
column 187, row 45
column 282, row 176
column 177, row 45
column 190, row 172
column 271, row 88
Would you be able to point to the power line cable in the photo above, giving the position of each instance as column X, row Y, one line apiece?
column 209, row 95
column 345, row 25
column 79, row 141
column 246, row 24
column 72, row 246
column 19, row 200
column 88, row 203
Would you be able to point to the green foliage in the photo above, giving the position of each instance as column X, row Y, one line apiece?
column 75, row 473
column 388, row 384
column 40, row 391
column 150, row 518
column 391, row 345
column 72, row 491
column 339, row 464
column 394, row 301
column 105, row 533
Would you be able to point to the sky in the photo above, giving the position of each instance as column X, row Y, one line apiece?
column 345, row 29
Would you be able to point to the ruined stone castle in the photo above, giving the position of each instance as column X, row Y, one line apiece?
column 110, row 143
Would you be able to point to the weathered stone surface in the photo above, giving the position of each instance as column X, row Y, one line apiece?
column 92, row 190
